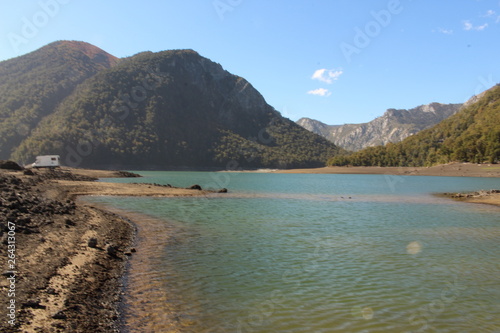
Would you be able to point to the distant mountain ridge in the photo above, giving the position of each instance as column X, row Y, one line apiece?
column 149, row 111
column 470, row 135
column 393, row 126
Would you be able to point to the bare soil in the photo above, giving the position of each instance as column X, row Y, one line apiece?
column 444, row 170
column 70, row 257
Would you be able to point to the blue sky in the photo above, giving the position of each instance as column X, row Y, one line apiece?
column 338, row 61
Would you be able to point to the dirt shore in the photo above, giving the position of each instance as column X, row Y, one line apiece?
column 68, row 257
column 445, row 170
column 490, row 197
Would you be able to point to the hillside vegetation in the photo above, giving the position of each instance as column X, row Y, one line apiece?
column 31, row 86
column 171, row 109
column 471, row 135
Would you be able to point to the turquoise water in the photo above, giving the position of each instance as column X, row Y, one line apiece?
column 315, row 253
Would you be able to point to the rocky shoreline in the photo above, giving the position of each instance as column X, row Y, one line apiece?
column 54, row 281
column 63, row 260
column 455, row 169
column 490, row 197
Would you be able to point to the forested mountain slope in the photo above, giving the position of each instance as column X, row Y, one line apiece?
column 471, row 135
column 171, row 109
column 33, row 85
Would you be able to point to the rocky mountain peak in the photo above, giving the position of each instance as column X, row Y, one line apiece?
column 475, row 98
column 393, row 126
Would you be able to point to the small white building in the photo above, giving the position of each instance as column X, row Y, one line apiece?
column 47, row 161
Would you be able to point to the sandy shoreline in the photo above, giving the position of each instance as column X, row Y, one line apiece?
column 69, row 286
column 489, row 197
column 62, row 282
column 445, row 170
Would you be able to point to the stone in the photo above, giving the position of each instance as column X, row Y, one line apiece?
column 112, row 250
column 92, row 242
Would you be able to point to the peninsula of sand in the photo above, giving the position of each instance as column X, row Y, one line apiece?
column 63, row 259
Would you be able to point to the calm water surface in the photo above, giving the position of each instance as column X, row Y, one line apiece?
column 314, row 253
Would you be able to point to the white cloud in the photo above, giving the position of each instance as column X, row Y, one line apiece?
column 482, row 27
column 327, row 75
column 445, row 31
column 489, row 13
column 469, row 26
column 320, row 92
column 493, row 14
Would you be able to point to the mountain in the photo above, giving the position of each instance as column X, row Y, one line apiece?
column 470, row 135
column 393, row 126
column 32, row 86
column 170, row 109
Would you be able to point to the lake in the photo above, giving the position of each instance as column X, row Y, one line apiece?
column 313, row 253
